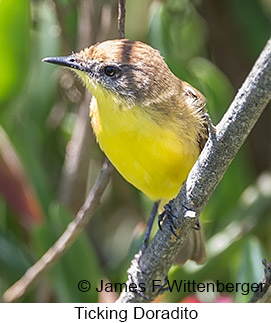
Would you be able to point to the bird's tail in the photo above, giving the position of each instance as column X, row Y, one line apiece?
column 193, row 249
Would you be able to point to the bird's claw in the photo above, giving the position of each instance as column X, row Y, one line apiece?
column 167, row 214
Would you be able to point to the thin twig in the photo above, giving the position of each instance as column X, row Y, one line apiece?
column 67, row 238
column 220, row 149
column 61, row 15
column 73, row 181
column 121, row 18
column 264, row 295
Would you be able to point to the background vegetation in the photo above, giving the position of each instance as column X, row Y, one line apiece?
column 49, row 158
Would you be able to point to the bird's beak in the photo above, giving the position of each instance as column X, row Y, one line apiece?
column 68, row 61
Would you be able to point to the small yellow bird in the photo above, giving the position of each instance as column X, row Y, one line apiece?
column 150, row 124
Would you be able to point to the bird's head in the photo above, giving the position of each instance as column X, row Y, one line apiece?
column 133, row 71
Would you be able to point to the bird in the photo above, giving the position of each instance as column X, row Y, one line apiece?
column 150, row 124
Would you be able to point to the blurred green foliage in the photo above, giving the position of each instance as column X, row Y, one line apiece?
column 38, row 113
column 14, row 46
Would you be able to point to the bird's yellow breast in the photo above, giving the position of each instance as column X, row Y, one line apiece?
column 152, row 156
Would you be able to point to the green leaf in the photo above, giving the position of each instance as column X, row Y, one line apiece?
column 251, row 269
column 214, row 84
column 14, row 46
column 13, row 260
column 253, row 23
column 25, row 121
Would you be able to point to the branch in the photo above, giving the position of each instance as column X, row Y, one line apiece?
column 67, row 238
column 220, row 149
column 121, row 18
column 264, row 296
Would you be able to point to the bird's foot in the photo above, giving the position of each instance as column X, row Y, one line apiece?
column 169, row 216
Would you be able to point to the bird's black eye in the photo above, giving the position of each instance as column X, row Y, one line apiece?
column 110, row 70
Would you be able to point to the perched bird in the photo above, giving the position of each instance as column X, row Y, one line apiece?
column 150, row 124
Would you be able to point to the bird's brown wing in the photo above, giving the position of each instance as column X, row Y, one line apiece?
column 194, row 248
column 197, row 102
